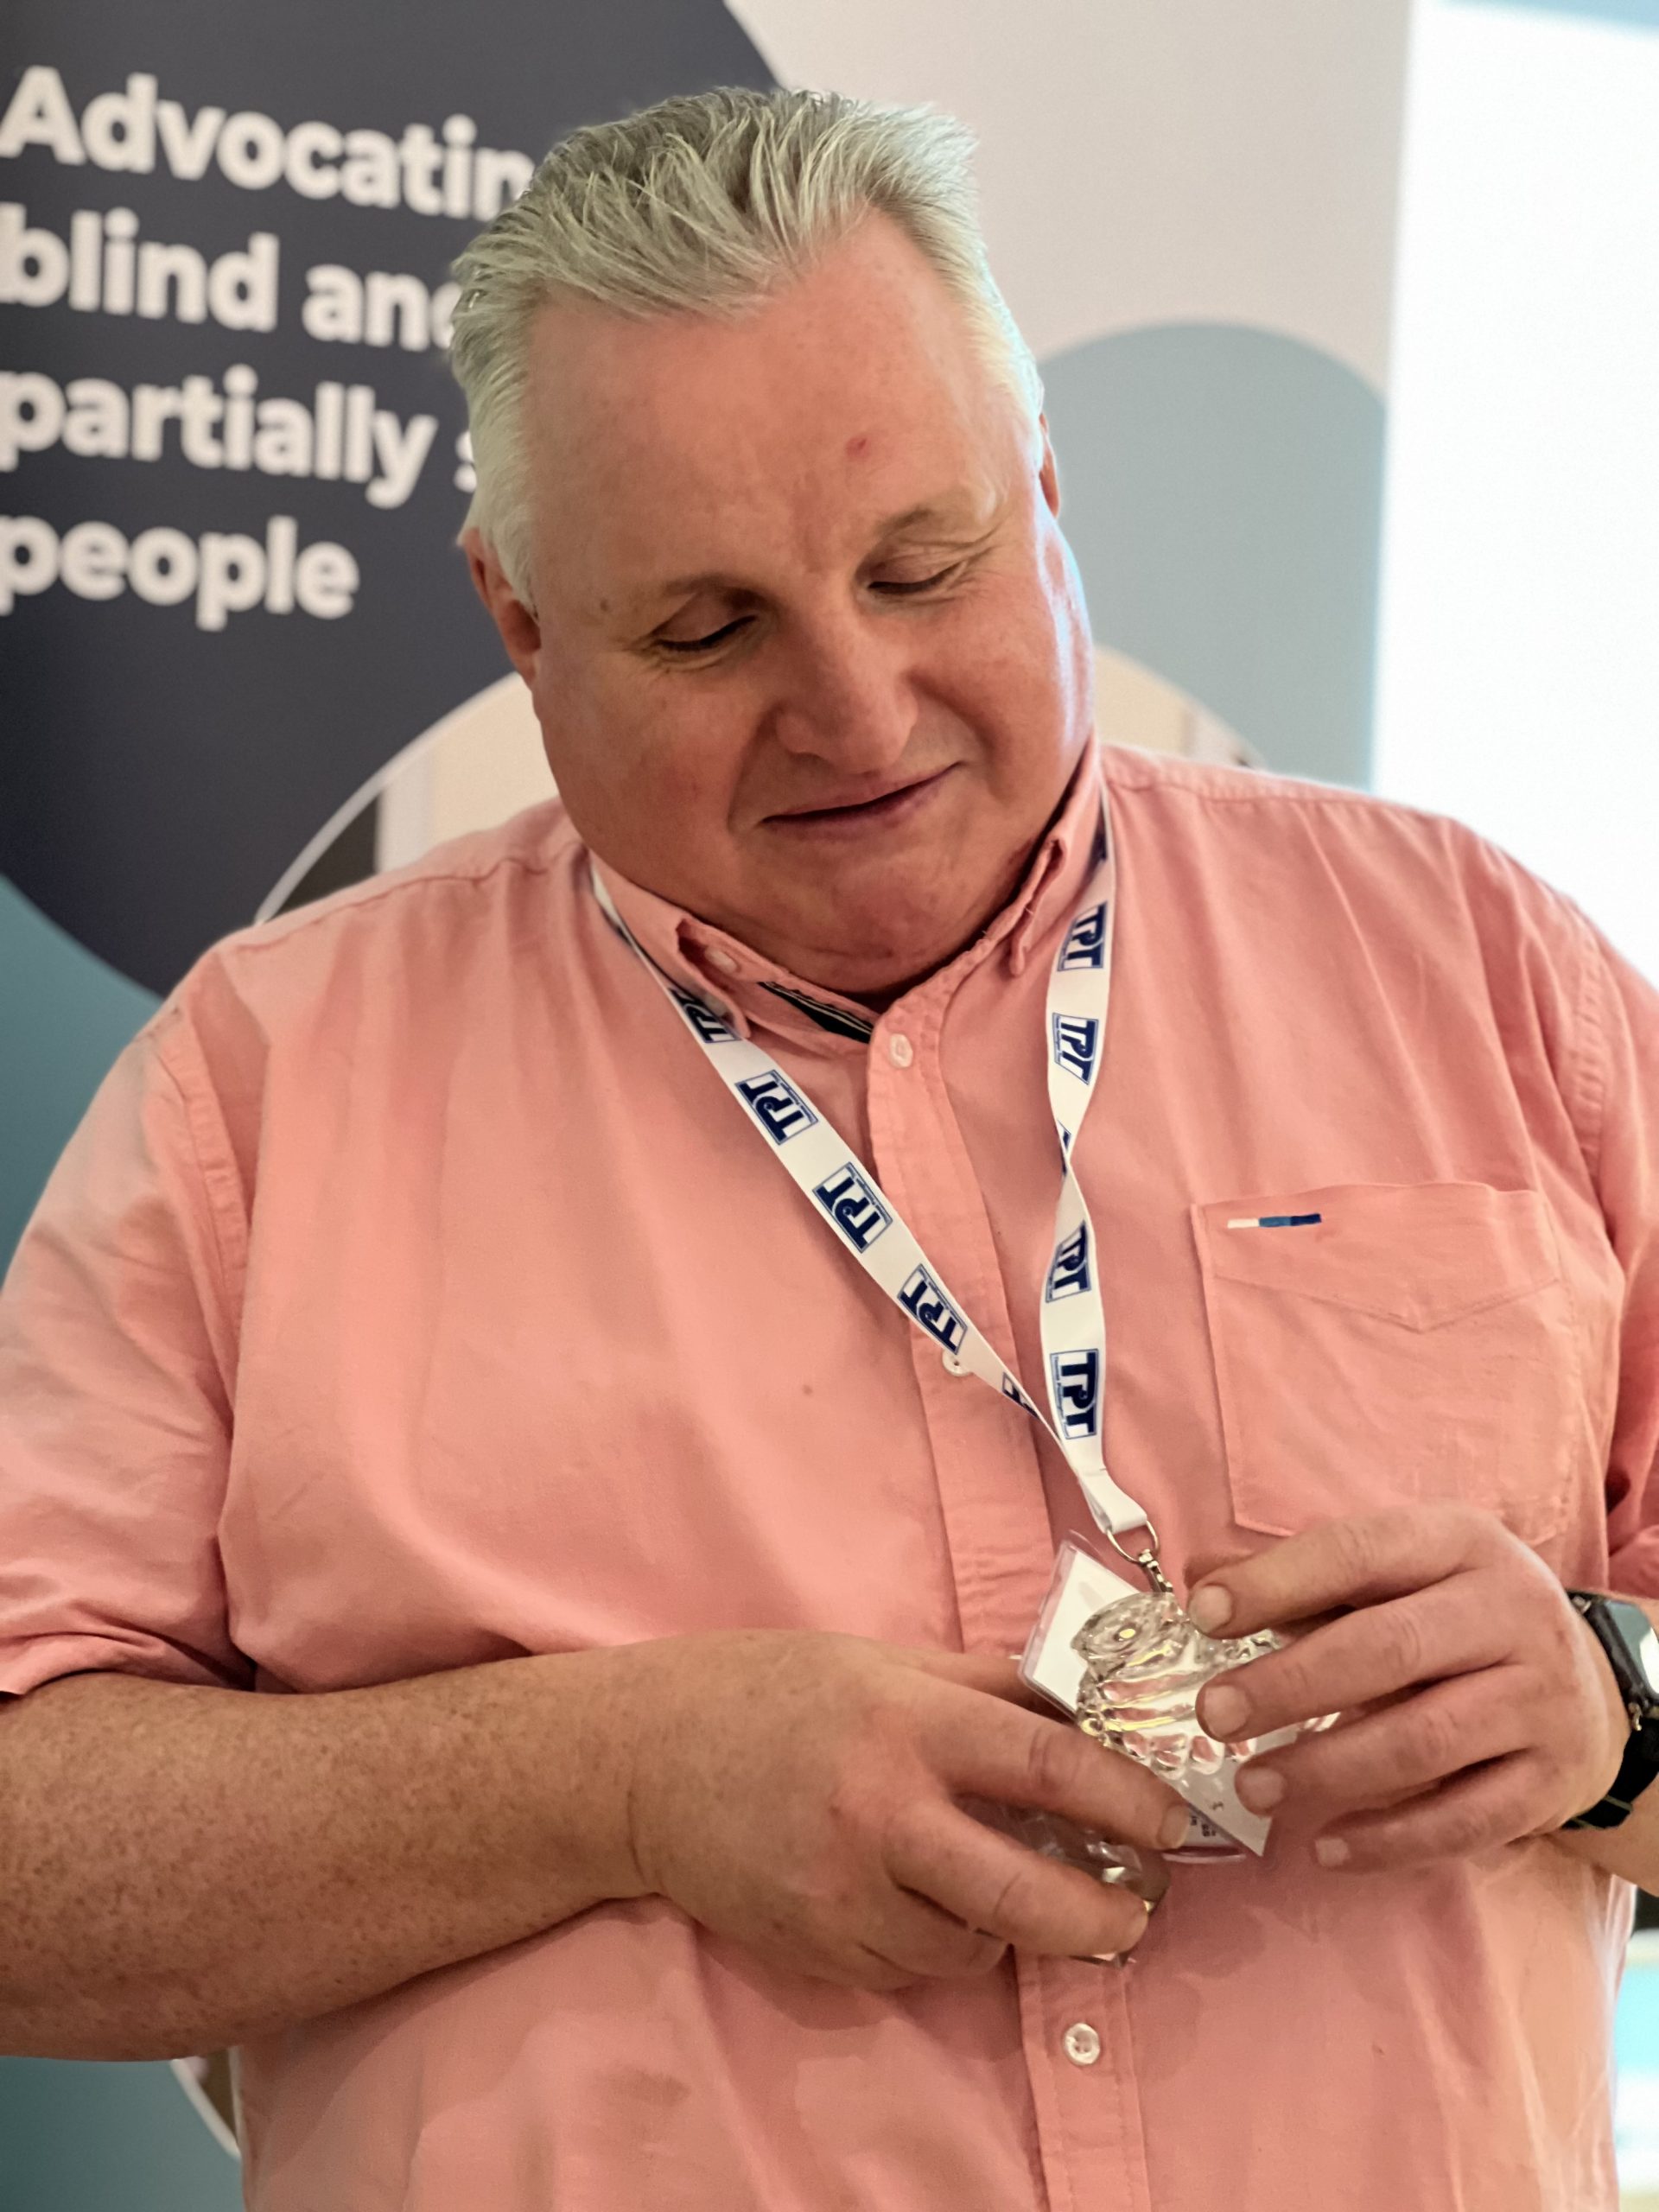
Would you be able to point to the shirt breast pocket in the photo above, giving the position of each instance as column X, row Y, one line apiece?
column 1377, row 1345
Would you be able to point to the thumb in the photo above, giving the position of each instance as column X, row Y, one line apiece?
column 1209, row 1559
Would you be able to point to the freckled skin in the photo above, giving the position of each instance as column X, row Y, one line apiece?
column 764, row 462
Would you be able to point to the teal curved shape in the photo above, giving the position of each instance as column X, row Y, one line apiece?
column 1222, row 488
column 64, row 1016
column 1645, row 14
column 85, row 2135
column 80, row 2135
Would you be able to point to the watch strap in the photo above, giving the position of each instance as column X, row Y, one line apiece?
column 1639, row 1767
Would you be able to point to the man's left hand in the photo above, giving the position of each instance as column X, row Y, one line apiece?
column 1478, row 1706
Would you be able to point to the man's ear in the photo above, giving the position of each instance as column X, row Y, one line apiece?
column 520, row 631
column 1047, row 475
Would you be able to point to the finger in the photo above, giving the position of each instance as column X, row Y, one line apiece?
column 922, row 1940
column 882, row 1936
column 1478, row 1810
column 1199, row 1566
column 1446, row 1629
column 1357, row 1561
column 1388, row 1757
column 997, row 1750
column 991, row 1883
column 1203, row 1566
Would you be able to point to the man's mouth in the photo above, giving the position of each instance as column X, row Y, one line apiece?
column 874, row 808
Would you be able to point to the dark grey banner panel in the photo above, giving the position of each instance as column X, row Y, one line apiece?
column 231, row 468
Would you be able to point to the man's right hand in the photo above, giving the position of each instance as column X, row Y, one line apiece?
column 799, row 1792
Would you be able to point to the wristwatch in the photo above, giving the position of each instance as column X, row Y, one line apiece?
column 1631, row 1643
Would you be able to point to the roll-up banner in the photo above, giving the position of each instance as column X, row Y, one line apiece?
column 239, row 660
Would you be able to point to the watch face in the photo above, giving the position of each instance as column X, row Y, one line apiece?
column 1640, row 1638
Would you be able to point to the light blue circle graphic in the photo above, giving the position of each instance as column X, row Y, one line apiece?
column 1222, row 488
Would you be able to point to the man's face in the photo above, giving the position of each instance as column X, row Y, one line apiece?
column 809, row 652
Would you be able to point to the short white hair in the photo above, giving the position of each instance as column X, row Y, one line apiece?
column 703, row 205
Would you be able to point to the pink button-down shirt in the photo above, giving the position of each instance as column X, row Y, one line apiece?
column 414, row 1295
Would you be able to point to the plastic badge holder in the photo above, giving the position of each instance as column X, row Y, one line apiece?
column 1150, row 1665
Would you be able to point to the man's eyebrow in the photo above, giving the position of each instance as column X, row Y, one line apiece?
column 957, row 511
column 682, row 587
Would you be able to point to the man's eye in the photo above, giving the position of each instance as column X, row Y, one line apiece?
column 705, row 643
column 902, row 585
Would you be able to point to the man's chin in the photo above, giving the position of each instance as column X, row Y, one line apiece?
column 868, row 926
column 873, row 964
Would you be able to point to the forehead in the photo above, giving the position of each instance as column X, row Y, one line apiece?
column 687, row 442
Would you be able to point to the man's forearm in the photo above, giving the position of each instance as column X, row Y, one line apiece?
column 181, row 1868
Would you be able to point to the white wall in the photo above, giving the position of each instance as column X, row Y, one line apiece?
column 1519, row 657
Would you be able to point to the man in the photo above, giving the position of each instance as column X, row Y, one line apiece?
column 421, row 1325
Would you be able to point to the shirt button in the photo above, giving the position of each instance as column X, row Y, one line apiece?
column 900, row 1051
column 953, row 1366
column 719, row 958
column 1081, row 2044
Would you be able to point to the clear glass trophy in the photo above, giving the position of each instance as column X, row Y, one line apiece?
column 1127, row 1665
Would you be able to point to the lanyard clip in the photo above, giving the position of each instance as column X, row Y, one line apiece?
column 1145, row 1560
column 1148, row 1563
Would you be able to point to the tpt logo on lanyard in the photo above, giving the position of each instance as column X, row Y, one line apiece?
column 1077, row 1042
column 1068, row 1274
column 930, row 1309
column 852, row 1206
column 776, row 1104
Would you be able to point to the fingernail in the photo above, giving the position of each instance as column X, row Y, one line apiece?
column 1209, row 1607
column 1331, row 1850
column 1223, row 1711
column 1171, row 1829
column 1260, row 1788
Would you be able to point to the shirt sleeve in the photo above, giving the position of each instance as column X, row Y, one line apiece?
column 116, row 1359
column 1623, row 1154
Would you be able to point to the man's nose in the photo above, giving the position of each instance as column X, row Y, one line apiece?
column 848, row 698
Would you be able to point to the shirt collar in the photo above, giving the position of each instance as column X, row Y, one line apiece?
column 751, row 991
column 1060, row 868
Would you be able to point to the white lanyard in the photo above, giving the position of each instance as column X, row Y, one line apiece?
column 847, row 1197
